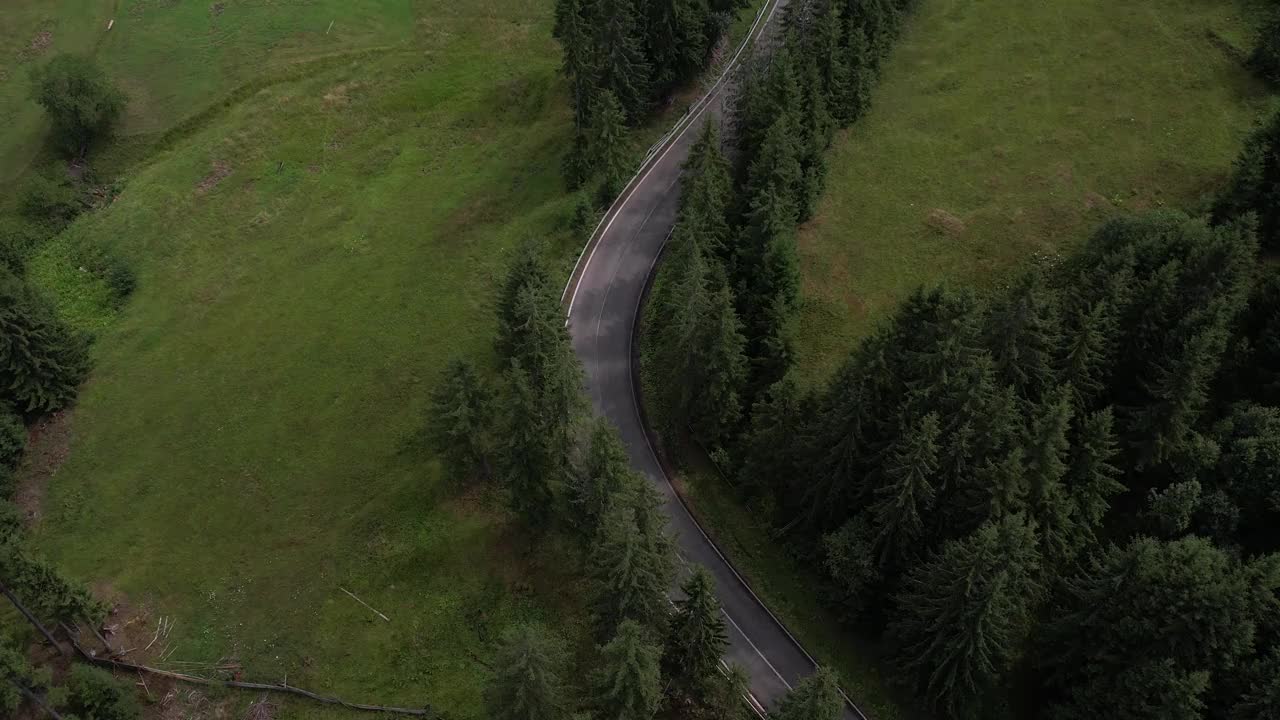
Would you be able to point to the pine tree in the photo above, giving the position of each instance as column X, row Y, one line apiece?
column 631, row 562
column 462, row 420
column 628, row 684
column 817, row 127
column 853, row 98
column 695, row 642
column 573, row 30
column 1023, row 335
column 1184, row 601
column 772, row 450
column 42, row 361
column 609, row 144
column 767, row 283
column 1091, row 479
column 676, row 40
column 827, row 49
column 723, row 365
column 525, row 271
column 816, row 697
column 704, row 195
column 621, row 65
column 527, row 683
column 962, row 616
column 1255, row 182
column 907, row 493
column 1145, row 690
column 605, row 472
column 1046, row 465
column 526, row 458
column 1088, row 342
column 1164, row 428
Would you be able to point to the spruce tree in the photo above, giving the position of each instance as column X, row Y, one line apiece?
column 605, row 472
column 1046, row 465
column 773, row 449
column 676, row 40
column 962, row 616
column 853, row 98
column 622, row 68
column 1023, row 335
column 527, row 458
column 462, row 419
column 631, row 562
column 1087, row 349
column 628, row 684
column 816, row 697
column 817, row 127
column 1151, row 688
column 907, row 493
column 1091, row 478
column 526, row 270
column 723, row 365
column 695, row 642
column 42, row 361
column 609, row 144
column 1255, row 183
column 573, row 30
column 704, row 195
column 849, row 557
column 1183, row 601
column 527, row 683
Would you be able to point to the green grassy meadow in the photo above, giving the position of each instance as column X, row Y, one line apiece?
column 1006, row 130
column 309, row 255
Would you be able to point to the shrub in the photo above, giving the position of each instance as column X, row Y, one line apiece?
column 94, row 694
column 51, row 200
column 82, row 103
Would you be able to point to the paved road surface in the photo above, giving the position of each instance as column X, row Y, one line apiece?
column 604, row 294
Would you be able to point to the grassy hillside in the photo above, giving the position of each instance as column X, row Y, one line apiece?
column 175, row 58
column 1005, row 130
column 308, row 258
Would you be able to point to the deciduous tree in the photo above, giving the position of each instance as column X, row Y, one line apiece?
column 81, row 102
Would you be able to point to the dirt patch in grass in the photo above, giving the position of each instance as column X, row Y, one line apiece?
column 48, row 445
column 944, row 222
column 38, row 45
column 216, row 175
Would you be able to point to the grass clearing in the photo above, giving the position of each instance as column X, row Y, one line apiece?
column 1000, row 131
column 308, row 259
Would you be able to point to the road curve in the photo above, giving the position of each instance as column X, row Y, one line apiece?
column 603, row 297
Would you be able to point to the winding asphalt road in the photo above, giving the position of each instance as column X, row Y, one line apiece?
column 604, row 295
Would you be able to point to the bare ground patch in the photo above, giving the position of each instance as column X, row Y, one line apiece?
column 217, row 174
column 48, row 445
column 944, row 222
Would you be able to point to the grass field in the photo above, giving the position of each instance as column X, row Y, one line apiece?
column 1003, row 130
column 308, row 258
column 176, row 58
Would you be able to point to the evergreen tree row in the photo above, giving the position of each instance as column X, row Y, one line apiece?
column 620, row 58
column 725, row 295
column 1095, row 444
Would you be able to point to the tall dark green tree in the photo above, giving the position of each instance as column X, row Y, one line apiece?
column 527, row 457
column 1180, row 608
column 1091, row 478
column 628, row 684
column 816, row 697
column 573, row 30
column 816, row 129
column 907, row 493
column 631, row 564
column 695, row 643
column 704, row 196
column 463, row 416
column 42, row 361
column 1048, row 500
column 528, row 682
column 1023, row 335
column 773, row 450
column 1255, row 182
column 621, row 66
column 675, row 40
column 605, row 473
column 962, row 616
column 609, row 144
